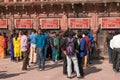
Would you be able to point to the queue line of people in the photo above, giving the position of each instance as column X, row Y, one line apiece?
column 77, row 55
column 33, row 49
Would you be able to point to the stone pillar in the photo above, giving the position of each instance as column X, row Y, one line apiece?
column 64, row 22
column 10, row 23
column 94, row 25
column 36, row 23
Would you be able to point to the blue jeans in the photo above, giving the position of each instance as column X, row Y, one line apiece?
column 41, row 61
column 53, row 53
column 90, row 53
column 45, row 51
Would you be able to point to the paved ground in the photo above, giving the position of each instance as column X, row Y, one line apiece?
column 99, row 70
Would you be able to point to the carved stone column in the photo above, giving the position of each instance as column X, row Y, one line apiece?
column 94, row 25
column 35, row 22
column 64, row 22
column 10, row 23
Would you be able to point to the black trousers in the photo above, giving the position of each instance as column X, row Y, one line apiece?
column 6, row 53
column 25, row 60
column 80, row 61
column 116, row 59
column 64, row 64
column 114, row 56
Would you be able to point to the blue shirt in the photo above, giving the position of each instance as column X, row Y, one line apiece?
column 40, row 41
column 32, row 38
column 83, row 48
column 47, row 39
column 90, row 36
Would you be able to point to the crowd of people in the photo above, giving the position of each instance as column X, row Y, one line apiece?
column 75, row 49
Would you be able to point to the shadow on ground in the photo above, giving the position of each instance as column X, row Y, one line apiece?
column 96, row 58
column 48, row 67
column 4, row 75
column 2, row 71
column 91, row 70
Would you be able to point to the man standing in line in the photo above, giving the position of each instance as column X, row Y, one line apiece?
column 71, row 55
column 91, row 37
column 108, row 38
column 47, row 42
column 88, row 49
column 32, row 38
column 23, row 43
column 40, row 43
column 53, row 45
column 115, row 45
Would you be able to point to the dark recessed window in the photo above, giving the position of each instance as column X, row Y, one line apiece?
column 27, row 0
column 19, row 0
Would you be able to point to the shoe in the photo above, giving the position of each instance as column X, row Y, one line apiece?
column 80, row 77
column 65, row 73
column 28, row 66
column 20, row 58
column 31, row 62
column 24, row 69
column 69, row 77
column 53, row 62
column 89, row 63
column 116, row 70
column 40, row 69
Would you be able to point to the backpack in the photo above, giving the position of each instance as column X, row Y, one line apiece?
column 70, row 47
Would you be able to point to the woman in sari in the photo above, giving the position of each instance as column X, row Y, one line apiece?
column 2, row 46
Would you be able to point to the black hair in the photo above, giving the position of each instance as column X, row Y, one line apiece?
column 16, row 36
column 66, row 33
column 79, row 35
column 117, row 32
column 25, row 32
column 4, row 33
column 34, row 30
column 85, row 32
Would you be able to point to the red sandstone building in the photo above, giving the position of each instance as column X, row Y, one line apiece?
column 97, row 15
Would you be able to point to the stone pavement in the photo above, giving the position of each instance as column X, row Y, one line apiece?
column 99, row 70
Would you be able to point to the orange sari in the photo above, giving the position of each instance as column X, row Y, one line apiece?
column 2, row 46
